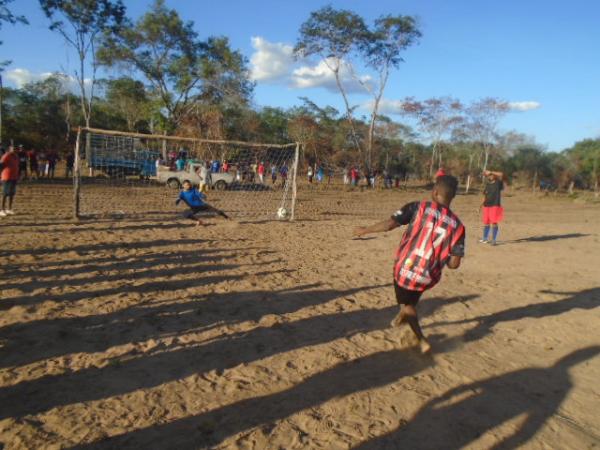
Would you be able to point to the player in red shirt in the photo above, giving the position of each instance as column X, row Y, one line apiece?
column 434, row 238
column 261, row 172
column 10, row 176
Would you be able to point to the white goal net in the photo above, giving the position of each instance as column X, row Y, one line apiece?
column 125, row 174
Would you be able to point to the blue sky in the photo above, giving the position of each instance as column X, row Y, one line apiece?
column 541, row 52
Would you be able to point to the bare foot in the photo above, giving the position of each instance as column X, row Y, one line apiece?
column 397, row 321
column 425, row 346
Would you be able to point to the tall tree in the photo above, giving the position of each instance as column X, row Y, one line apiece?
column 80, row 22
column 337, row 36
column 382, row 48
column 181, row 69
column 437, row 118
column 130, row 99
column 483, row 117
column 333, row 35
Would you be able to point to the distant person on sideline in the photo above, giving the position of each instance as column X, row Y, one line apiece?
column 493, row 212
column 434, row 239
column 9, row 162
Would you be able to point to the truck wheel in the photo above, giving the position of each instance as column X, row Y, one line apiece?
column 220, row 185
column 173, row 183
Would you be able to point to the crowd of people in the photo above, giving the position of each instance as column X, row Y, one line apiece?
column 352, row 176
column 37, row 164
column 18, row 164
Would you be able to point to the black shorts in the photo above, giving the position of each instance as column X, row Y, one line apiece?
column 405, row 296
column 190, row 213
column 9, row 187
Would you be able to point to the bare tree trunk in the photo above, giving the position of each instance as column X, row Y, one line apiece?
column 348, row 110
column 595, row 173
column 81, row 80
column 535, row 177
column 432, row 159
column 383, row 77
column 471, row 156
column 486, row 158
column 68, row 117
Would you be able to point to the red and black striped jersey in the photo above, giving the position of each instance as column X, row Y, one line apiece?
column 434, row 233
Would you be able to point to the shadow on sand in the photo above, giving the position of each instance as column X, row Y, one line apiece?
column 587, row 300
column 462, row 415
column 544, row 238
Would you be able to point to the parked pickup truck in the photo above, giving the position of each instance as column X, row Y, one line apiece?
column 191, row 173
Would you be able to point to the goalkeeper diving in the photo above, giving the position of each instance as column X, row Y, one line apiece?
column 195, row 201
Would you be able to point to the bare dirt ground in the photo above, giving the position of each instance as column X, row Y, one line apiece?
column 151, row 333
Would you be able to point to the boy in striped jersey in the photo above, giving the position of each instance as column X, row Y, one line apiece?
column 434, row 238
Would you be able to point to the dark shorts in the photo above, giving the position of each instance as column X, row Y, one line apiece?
column 9, row 187
column 406, row 297
column 191, row 212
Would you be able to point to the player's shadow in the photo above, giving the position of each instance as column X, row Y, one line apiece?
column 150, row 267
column 462, row 415
column 135, row 371
column 587, row 299
column 428, row 306
column 544, row 238
column 51, row 338
column 94, row 262
column 144, row 288
column 104, row 246
column 209, row 429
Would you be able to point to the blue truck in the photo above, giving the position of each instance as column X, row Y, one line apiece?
column 119, row 156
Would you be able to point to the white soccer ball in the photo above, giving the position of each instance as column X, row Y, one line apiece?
column 282, row 213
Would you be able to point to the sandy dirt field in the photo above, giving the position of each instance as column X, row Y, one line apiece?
column 151, row 333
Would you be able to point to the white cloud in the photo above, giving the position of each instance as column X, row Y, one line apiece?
column 321, row 75
column 270, row 61
column 524, row 106
column 385, row 106
column 273, row 62
column 21, row 77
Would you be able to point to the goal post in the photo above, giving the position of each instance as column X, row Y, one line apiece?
column 123, row 174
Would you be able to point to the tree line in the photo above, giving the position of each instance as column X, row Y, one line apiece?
column 172, row 81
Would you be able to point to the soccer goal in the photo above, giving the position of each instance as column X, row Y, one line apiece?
column 127, row 174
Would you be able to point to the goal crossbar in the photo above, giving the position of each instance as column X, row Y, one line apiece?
column 185, row 139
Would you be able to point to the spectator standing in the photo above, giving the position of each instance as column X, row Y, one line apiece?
column 52, row 160
column 33, row 163
column 180, row 163
column 284, row 174
column 70, row 163
column 22, row 155
column 9, row 176
column 273, row 173
column 261, row 172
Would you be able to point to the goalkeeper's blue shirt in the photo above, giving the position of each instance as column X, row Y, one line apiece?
column 193, row 198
